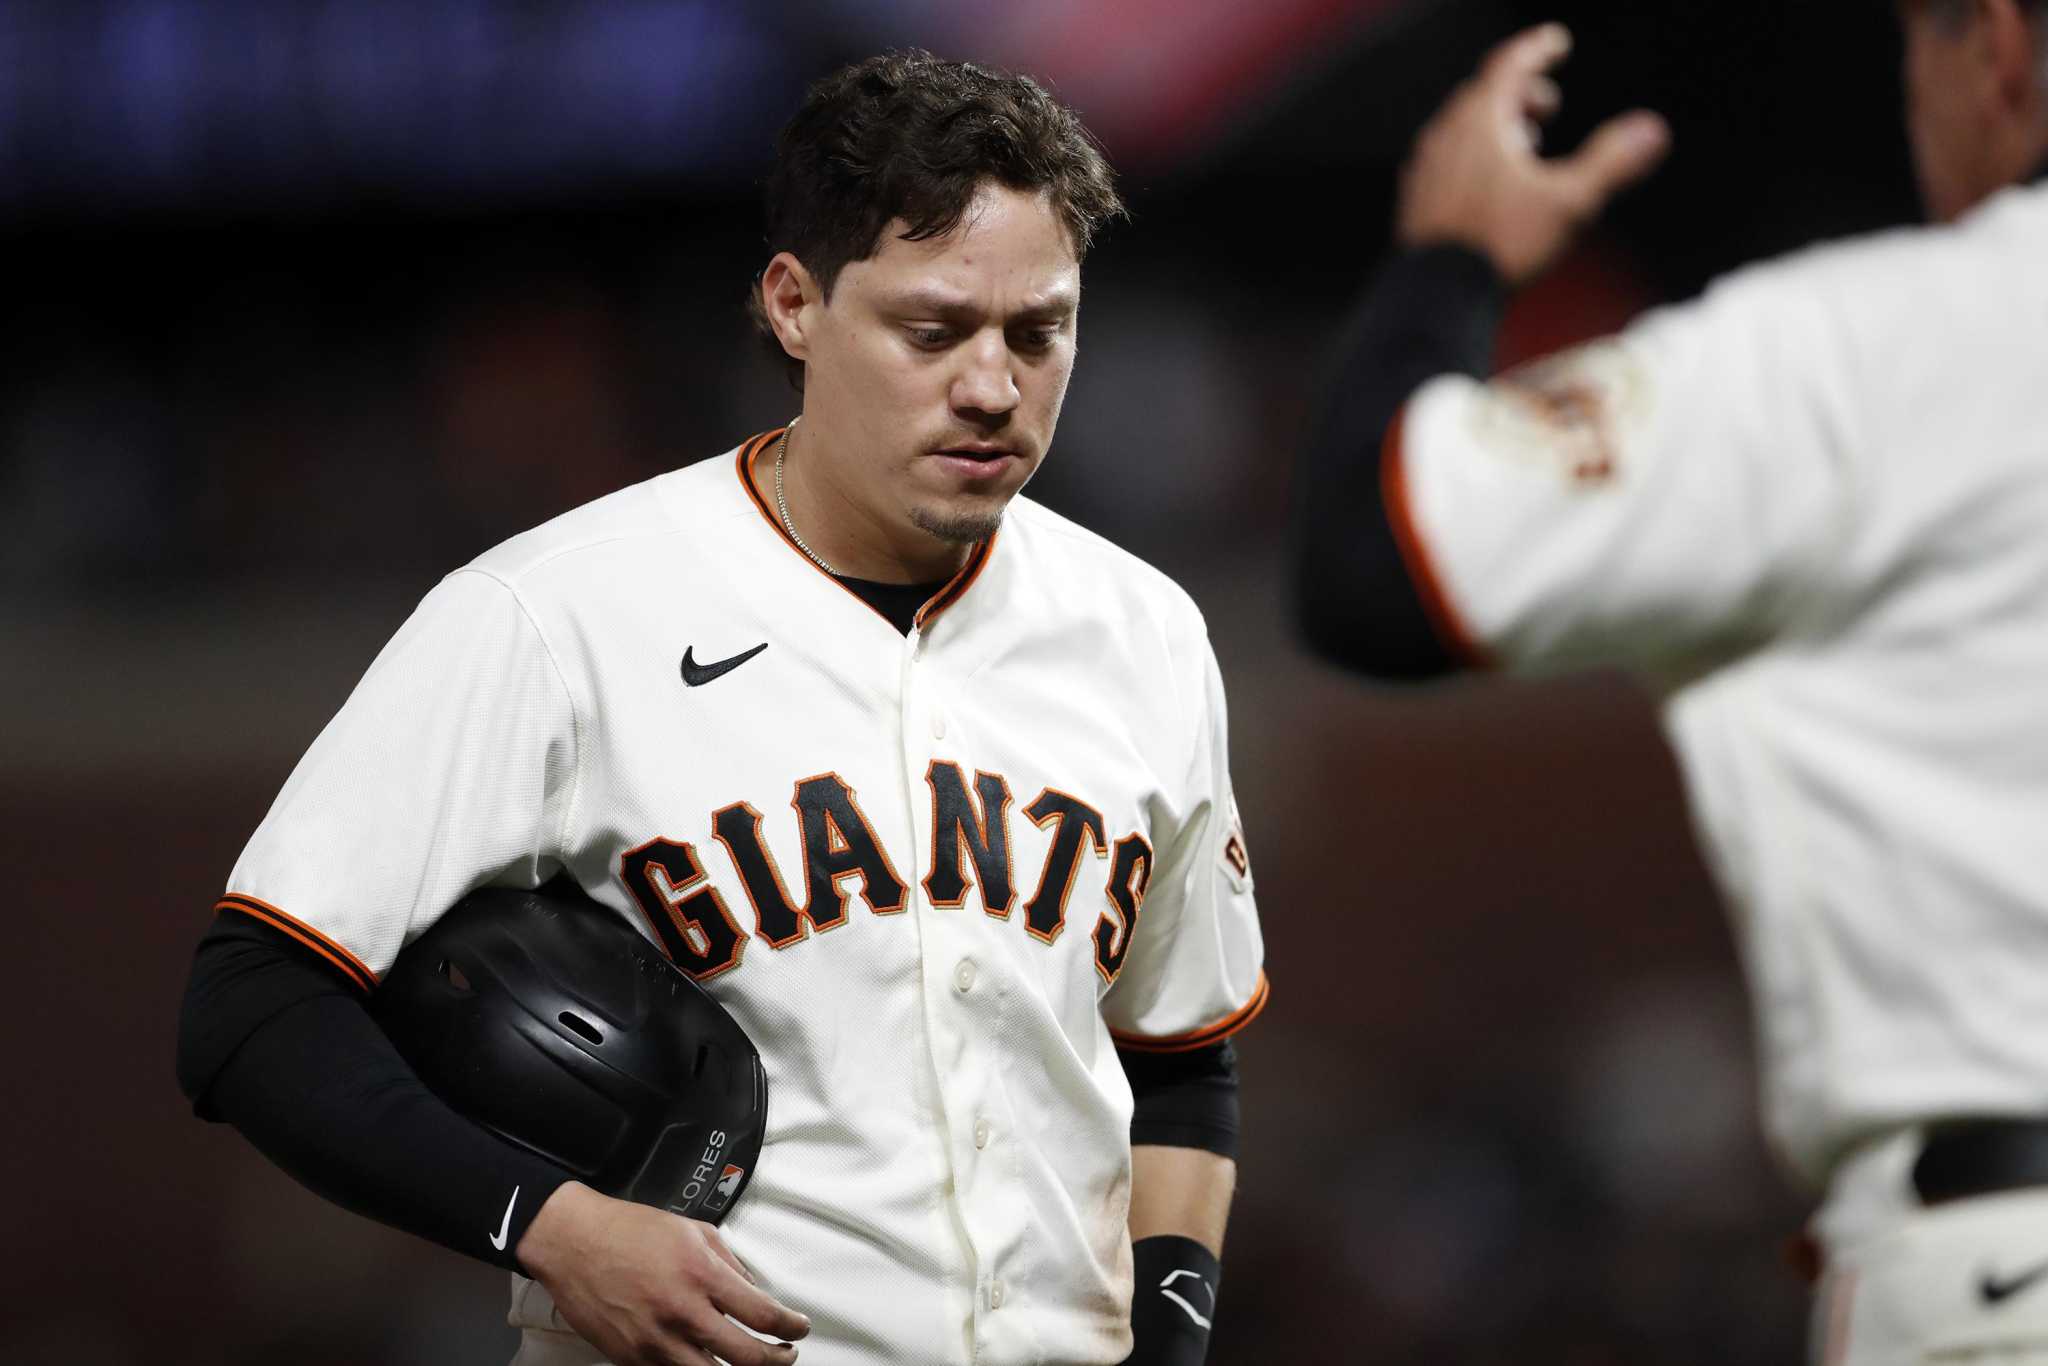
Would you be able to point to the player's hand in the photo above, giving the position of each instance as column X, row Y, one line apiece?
column 650, row 1288
column 1476, row 177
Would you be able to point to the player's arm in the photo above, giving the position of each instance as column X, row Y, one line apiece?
column 453, row 765
column 1192, row 977
column 1184, row 1125
column 275, row 1041
column 1480, row 213
column 1432, row 311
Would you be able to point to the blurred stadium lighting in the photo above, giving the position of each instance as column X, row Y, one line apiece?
column 116, row 105
column 163, row 102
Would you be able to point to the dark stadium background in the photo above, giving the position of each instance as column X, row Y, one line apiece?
column 307, row 303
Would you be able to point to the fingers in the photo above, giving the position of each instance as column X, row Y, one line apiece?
column 1620, row 152
column 726, row 1254
column 1540, row 99
column 733, row 1345
column 1514, row 87
column 1528, row 54
column 758, row 1310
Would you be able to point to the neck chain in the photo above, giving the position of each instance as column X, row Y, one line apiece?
column 782, row 501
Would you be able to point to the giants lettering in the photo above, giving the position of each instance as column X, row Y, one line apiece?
column 694, row 928
column 970, row 843
column 1075, row 826
column 983, row 839
column 738, row 828
column 839, row 843
column 1126, row 891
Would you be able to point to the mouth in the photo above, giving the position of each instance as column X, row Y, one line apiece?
column 976, row 460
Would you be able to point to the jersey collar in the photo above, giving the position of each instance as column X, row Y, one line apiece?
column 951, row 592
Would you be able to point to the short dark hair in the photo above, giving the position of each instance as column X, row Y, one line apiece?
column 1954, row 12
column 910, row 136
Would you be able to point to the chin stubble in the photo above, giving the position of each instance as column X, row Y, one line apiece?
column 960, row 528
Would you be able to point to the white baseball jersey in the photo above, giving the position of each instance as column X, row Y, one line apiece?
column 1814, row 505
column 936, row 878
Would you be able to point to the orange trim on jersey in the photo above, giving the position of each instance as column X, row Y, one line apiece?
column 957, row 587
column 1436, row 603
column 351, row 966
column 1205, row 1036
column 750, row 451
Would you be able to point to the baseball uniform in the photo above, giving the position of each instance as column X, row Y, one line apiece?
column 1811, row 508
column 938, row 876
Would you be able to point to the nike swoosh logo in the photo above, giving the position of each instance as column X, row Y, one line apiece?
column 1994, row 1289
column 505, row 1224
column 1165, row 1288
column 697, row 675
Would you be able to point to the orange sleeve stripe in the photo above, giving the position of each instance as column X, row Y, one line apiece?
column 1205, row 1036
column 1436, row 603
column 350, row 965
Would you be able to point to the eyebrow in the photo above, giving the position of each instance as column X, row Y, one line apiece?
column 1057, row 305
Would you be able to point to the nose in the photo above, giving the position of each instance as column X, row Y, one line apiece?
column 985, row 382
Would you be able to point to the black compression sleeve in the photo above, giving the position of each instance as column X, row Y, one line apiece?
column 243, row 974
column 1173, row 1301
column 1432, row 311
column 271, row 1043
column 1185, row 1100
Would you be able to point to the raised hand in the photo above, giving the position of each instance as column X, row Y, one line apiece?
column 1476, row 176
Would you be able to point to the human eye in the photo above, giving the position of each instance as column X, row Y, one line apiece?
column 927, row 337
column 1040, row 337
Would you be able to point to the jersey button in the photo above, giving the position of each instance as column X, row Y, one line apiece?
column 981, row 1133
column 938, row 724
column 995, row 1294
column 963, row 976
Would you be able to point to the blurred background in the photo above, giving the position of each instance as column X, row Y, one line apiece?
column 309, row 301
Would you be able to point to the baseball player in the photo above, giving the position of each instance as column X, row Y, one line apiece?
column 1812, row 508
column 925, row 784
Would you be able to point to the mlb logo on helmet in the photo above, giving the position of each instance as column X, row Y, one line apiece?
column 728, row 1182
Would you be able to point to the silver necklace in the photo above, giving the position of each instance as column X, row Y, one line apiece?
column 782, row 502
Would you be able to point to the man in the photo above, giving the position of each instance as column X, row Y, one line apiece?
column 1009, row 869
column 1812, row 507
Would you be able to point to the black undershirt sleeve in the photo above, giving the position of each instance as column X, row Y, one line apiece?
column 243, row 974
column 271, row 1041
column 1184, row 1100
column 1432, row 311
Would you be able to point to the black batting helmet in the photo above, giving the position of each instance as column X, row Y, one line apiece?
column 546, row 1019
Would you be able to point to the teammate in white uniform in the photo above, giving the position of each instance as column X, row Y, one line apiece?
column 1811, row 508
column 924, row 783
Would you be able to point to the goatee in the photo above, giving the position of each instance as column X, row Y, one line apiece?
column 957, row 528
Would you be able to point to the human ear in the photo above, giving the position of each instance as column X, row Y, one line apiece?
column 2010, row 51
column 789, row 293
